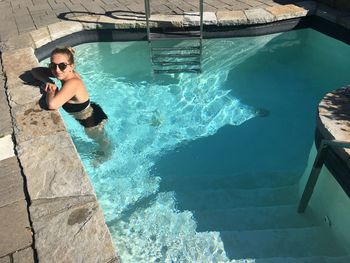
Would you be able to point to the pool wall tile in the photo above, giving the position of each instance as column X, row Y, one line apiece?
column 309, row 6
column 327, row 13
column 259, row 16
column 344, row 21
column 228, row 18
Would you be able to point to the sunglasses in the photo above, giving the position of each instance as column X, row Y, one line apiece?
column 62, row 66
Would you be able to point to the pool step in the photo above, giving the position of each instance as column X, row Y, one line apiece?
column 175, row 35
column 292, row 242
column 184, row 182
column 342, row 259
column 235, row 198
column 257, row 218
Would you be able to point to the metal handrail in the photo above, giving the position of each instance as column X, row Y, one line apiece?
column 148, row 15
column 316, row 169
column 151, row 37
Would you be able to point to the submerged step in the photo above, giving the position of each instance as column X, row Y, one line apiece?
column 187, row 48
column 195, row 182
column 233, row 198
column 255, row 218
column 315, row 259
column 177, row 35
column 176, row 63
column 172, row 71
column 293, row 242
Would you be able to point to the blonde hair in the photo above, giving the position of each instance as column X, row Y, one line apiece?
column 68, row 51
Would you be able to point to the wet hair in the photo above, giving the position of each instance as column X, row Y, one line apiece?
column 68, row 51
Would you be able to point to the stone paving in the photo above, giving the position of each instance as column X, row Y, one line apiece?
column 36, row 22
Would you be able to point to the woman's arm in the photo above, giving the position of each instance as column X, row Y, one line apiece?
column 56, row 98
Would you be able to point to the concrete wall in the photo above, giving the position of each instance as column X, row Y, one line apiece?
column 338, row 4
column 329, row 203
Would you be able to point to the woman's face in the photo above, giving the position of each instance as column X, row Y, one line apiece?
column 58, row 59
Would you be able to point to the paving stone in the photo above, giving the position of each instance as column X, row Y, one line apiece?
column 64, row 28
column 59, row 235
column 5, row 117
column 23, row 256
column 44, row 208
column 41, row 6
column 6, row 146
column 77, row 8
column 8, row 29
column 332, row 121
column 5, row 259
column 17, row 62
column 89, row 22
column 259, row 16
column 20, row 94
column 227, row 18
column 286, row 11
column 105, row 22
column 24, row 23
column 11, row 182
column 32, row 121
column 235, row 5
column 93, row 8
column 167, row 20
column 55, row 170
column 15, row 231
column 41, row 37
column 19, row 41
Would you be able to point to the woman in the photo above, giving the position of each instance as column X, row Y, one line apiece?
column 72, row 96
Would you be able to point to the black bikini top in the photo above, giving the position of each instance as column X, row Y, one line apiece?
column 75, row 107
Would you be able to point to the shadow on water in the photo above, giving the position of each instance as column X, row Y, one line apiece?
column 283, row 79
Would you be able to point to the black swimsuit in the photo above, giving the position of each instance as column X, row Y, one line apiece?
column 88, row 114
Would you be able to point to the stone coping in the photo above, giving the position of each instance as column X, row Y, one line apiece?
column 67, row 220
column 334, row 119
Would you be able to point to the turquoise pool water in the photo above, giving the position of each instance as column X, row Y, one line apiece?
column 251, row 111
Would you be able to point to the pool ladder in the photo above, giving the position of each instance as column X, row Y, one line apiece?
column 183, row 57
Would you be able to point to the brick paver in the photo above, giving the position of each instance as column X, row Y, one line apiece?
column 21, row 16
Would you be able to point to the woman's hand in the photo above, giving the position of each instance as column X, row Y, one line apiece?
column 50, row 87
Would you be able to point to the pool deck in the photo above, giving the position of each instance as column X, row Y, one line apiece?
column 30, row 24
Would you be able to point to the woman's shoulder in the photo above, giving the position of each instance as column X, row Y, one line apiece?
column 76, row 82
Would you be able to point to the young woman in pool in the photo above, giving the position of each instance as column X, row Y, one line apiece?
column 73, row 96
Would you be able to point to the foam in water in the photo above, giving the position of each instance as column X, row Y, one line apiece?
column 148, row 117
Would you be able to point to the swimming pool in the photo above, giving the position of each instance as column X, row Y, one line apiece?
column 246, row 122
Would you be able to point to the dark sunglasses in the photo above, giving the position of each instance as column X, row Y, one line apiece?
column 62, row 66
